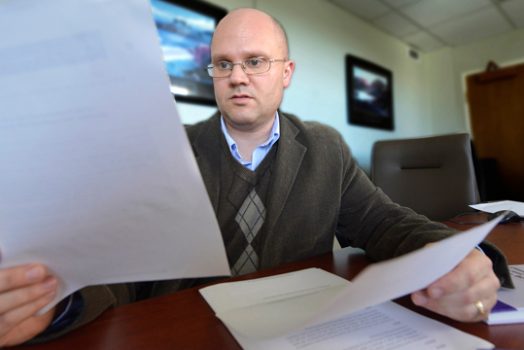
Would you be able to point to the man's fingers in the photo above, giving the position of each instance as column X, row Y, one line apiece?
column 20, row 276
column 462, row 305
column 16, row 298
column 16, row 317
column 471, row 312
column 24, row 290
column 475, row 267
column 467, row 293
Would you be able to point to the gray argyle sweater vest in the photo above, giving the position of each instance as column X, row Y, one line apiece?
column 241, row 209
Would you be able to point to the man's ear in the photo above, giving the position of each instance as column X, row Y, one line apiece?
column 289, row 68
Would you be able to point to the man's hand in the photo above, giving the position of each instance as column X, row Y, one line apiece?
column 458, row 293
column 23, row 291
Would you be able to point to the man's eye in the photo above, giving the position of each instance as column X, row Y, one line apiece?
column 223, row 65
column 254, row 62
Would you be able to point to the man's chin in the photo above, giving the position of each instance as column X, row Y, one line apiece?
column 240, row 121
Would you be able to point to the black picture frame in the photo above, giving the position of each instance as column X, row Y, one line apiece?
column 185, row 29
column 369, row 94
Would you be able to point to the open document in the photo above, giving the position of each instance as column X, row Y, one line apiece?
column 328, row 312
column 98, row 180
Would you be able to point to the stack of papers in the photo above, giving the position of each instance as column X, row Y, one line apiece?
column 293, row 302
column 314, row 309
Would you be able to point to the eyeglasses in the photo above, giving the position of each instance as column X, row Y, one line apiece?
column 251, row 66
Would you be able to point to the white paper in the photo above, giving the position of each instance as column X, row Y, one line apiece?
column 312, row 300
column 493, row 207
column 385, row 326
column 274, row 305
column 97, row 177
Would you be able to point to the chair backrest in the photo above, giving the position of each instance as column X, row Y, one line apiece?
column 433, row 175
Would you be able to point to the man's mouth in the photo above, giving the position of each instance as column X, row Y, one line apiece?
column 240, row 97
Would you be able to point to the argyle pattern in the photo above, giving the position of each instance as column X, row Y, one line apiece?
column 250, row 218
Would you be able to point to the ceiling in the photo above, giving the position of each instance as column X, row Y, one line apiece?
column 428, row 25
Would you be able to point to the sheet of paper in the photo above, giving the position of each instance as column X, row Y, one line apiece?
column 281, row 303
column 98, row 180
column 384, row 326
column 493, row 207
column 304, row 298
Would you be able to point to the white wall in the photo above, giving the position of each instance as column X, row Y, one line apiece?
column 428, row 97
column 320, row 35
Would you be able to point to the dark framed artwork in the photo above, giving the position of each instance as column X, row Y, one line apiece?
column 185, row 28
column 369, row 94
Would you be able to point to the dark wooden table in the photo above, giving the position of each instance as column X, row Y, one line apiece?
column 185, row 321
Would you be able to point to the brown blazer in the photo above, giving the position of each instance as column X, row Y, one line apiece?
column 318, row 190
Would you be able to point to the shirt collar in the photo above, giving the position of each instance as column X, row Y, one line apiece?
column 274, row 135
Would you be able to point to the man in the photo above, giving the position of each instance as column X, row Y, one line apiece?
column 281, row 190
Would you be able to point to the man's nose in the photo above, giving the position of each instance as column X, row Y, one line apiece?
column 238, row 76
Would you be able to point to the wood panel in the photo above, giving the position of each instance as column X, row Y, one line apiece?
column 496, row 104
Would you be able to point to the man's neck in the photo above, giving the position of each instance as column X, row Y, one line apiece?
column 248, row 140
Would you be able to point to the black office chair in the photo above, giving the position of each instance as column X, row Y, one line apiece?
column 433, row 175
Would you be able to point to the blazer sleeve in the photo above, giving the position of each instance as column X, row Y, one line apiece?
column 370, row 220
column 95, row 300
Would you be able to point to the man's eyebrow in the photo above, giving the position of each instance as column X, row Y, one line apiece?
column 255, row 54
column 248, row 55
column 219, row 58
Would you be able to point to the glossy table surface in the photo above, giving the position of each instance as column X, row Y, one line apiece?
column 184, row 320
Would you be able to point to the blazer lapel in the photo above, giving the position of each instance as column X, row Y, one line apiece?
column 287, row 164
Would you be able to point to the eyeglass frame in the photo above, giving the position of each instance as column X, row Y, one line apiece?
column 243, row 66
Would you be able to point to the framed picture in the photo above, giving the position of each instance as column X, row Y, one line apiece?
column 185, row 28
column 370, row 94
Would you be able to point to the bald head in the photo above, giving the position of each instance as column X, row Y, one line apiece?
column 248, row 102
column 245, row 19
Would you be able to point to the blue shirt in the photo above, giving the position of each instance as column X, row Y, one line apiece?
column 260, row 152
